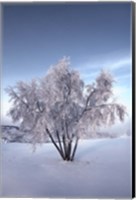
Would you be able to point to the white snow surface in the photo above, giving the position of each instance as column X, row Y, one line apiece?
column 102, row 169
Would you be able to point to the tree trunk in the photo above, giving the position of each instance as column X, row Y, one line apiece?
column 64, row 146
column 74, row 150
column 60, row 145
column 66, row 151
column 69, row 150
column 55, row 144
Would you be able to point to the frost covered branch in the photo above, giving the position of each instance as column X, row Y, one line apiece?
column 60, row 106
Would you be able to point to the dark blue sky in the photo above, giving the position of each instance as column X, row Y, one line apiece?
column 94, row 35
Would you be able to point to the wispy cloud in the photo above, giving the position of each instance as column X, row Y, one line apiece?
column 110, row 65
column 119, row 66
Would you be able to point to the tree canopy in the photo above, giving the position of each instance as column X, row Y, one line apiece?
column 61, row 106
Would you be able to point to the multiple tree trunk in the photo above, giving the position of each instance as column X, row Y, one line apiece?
column 64, row 145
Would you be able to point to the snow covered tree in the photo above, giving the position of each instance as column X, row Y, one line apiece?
column 61, row 106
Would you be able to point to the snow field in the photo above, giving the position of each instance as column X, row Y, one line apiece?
column 102, row 169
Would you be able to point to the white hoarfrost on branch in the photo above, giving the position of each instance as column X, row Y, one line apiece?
column 62, row 107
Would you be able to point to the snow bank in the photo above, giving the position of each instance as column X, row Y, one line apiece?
column 102, row 169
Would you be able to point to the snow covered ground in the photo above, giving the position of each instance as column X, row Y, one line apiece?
column 102, row 169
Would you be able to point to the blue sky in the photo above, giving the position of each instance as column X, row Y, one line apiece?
column 95, row 35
